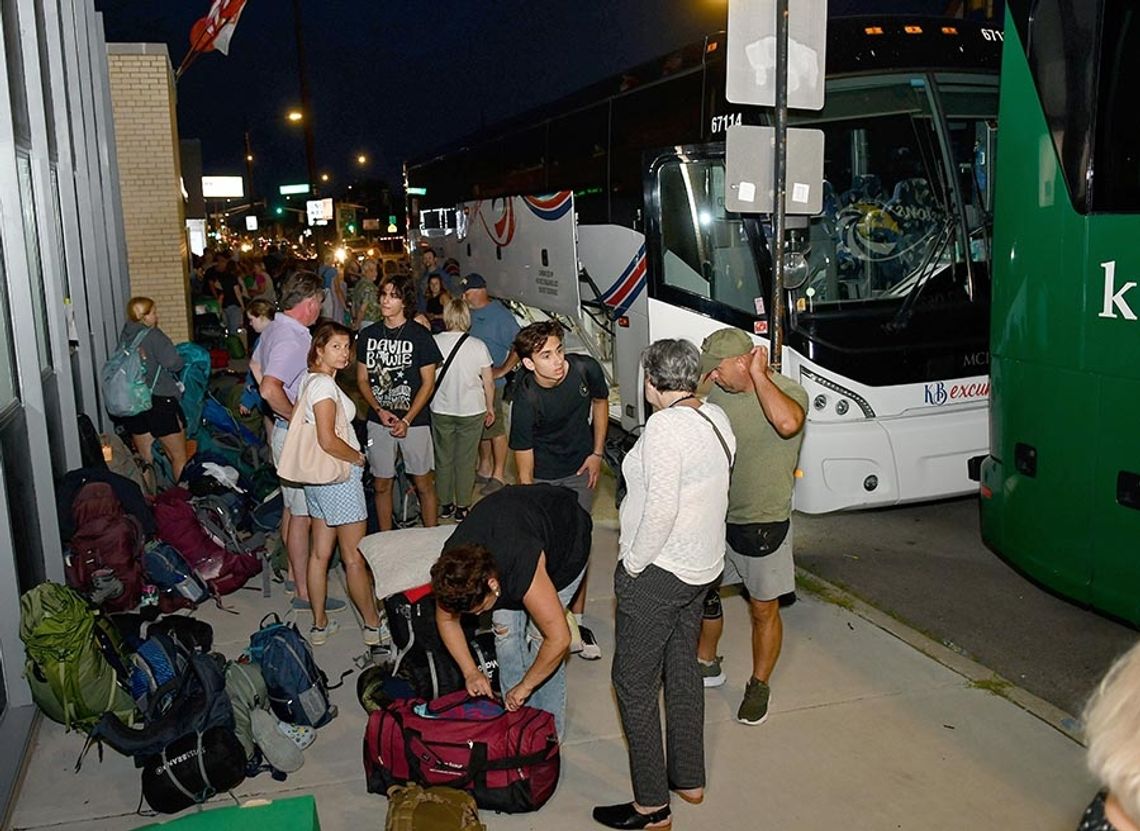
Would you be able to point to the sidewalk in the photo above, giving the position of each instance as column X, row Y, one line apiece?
column 866, row 732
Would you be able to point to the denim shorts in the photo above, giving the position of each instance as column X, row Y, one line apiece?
column 339, row 504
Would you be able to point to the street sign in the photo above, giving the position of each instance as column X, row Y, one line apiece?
column 291, row 190
column 251, row 223
column 370, row 224
column 751, row 59
column 417, row 191
column 319, row 211
column 749, row 172
column 222, row 187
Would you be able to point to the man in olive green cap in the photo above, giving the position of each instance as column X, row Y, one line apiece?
column 767, row 413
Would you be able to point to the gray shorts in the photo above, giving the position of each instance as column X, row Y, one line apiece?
column 765, row 578
column 292, row 495
column 416, row 447
column 580, row 484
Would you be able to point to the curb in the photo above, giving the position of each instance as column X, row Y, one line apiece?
column 978, row 675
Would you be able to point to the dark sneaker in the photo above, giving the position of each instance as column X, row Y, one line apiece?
column 461, row 514
column 492, row 486
column 446, row 510
column 754, row 707
column 590, row 649
column 332, row 604
column 712, row 673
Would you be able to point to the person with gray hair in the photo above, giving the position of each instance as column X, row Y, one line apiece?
column 671, row 551
column 1112, row 729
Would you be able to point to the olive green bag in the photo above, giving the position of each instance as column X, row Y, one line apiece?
column 412, row 808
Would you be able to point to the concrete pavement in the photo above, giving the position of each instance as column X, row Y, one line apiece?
column 866, row 732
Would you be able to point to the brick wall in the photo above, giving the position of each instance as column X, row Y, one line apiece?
column 146, row 132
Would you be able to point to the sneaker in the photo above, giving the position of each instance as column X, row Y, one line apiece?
column 332, row 604
column 320, row 634
column 377, row 635
column 754, row 707
column 480, row 479
column 278, row 749
column 461, row 514
column 492, row 486
column 446, row 510
column 590, row 650
column 300, row 734
column 290, row 587
column 712, row 673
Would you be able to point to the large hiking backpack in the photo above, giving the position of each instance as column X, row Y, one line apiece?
column 223, row 571
column 412, row 808
column 73, row 658
column 192, row 769
column 195, row 376
column 509, row 761
column 298, row 688
column 224, row 517
column 105, row 538
column 156, row 667
column 124, row 386
column 246, row 688
column 422, row 659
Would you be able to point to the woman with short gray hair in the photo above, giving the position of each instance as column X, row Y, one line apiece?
column 1112, row 725
column 671, row 550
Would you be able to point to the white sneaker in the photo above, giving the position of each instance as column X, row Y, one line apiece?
column 320, row 634
column 589, row 650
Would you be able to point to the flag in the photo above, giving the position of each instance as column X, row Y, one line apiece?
column 213, row 32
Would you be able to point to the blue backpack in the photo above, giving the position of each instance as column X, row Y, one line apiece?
column 125, row 390
column 298, row 689
column 156, row 670
column 169, row 572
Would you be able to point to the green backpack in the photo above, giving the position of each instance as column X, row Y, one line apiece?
column 412, row 808
column 67, row 668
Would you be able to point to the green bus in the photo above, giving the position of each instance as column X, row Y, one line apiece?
column 1060, row 489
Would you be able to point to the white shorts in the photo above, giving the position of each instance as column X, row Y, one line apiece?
column 765, row 578
column 416, row 447
column 339, row 504
column 292, row 495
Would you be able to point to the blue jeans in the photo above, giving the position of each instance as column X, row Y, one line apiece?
column 517, row 641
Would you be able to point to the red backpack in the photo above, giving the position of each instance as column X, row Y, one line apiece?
column 106, row 537
column 223, row 571
column 508, row 761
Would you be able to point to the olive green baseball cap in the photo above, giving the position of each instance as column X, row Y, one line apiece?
column 721, row 344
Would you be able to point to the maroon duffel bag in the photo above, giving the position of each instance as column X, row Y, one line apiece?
column 508, row 761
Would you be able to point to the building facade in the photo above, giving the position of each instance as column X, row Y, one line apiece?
column 63, row 290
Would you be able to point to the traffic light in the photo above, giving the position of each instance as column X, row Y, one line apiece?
column 279, row 210
column 351, row 228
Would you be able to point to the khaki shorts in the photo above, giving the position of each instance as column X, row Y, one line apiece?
column 765, row 578
column 416, row 448
column 499, row 428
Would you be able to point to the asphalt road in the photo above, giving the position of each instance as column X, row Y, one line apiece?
column 926, row 566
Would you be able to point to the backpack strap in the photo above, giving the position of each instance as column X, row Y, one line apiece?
column 450, row 358
column 719, row 436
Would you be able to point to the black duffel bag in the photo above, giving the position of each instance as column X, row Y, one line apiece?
column 192, row 769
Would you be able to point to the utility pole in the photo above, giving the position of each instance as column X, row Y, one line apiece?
column 306, row 103
column 249, row 168
column 776, row 309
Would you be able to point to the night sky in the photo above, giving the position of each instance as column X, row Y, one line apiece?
column 393, row 79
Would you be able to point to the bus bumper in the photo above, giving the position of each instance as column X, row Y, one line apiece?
column 869, row 464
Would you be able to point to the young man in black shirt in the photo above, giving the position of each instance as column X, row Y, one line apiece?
column 395, row 373
column 520, row 554
column 559, row 417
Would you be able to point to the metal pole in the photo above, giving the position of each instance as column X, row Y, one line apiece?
column 776, row 308
column 306, row 105
column 249, row 168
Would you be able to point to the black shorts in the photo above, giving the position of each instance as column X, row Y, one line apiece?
column 164, row 418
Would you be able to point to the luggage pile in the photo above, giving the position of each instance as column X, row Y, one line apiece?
column 195, row 723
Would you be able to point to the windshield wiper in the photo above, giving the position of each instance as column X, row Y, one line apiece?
column 926, row 270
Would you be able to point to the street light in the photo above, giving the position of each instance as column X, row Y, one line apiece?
column 295, row 116
column 362, row 159
column 324, row 177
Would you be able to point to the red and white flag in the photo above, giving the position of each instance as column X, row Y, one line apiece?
column 213, row 32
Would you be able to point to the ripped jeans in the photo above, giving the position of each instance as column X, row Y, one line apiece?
column 517, row 641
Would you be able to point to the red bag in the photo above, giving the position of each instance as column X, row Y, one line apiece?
column 106, row 537
column 223, row 571
column 508, row 761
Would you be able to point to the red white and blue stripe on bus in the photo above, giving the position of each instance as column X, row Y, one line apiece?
column 550, row 206
column 628, row 286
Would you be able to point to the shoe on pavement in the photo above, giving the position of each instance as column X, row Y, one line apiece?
column 712, row 673
column 320, row 634
column 447, row 510
column 754, row 707
column 461, row 514
column 377, row 635
column 480, row 479
column 279, row 750
column 589, row 649
column 332, row 604
column 290, row 587
column 492, row 486
column 300, row 734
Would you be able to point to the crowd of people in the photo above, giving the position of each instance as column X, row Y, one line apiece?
column 709, row 484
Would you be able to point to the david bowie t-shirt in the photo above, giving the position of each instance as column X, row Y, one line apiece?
column 393, row 358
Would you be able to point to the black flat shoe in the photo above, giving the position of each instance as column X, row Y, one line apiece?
column 626, row 816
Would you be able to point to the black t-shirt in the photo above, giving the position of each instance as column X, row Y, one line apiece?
column 228, row 282
column 393, row 358
column 555, row 422
column 519, row 522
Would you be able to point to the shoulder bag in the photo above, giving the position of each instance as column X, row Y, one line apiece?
column 302, row 459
